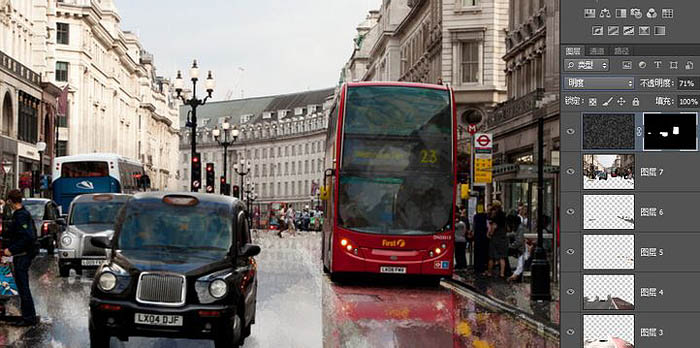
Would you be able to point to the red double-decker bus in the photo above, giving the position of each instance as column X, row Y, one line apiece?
column 390, row 186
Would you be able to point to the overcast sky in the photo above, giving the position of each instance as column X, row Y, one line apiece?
column 262, row 47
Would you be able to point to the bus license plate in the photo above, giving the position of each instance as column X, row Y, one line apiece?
column 392, row 269
column 92, row 262
column 158, row 319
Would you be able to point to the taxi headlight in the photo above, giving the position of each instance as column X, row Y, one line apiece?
column 107, row 281
column 218, row 288
column 66, row 241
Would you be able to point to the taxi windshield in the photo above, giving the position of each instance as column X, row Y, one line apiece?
column 35, row 208
column 86, row 213
column 157, row 227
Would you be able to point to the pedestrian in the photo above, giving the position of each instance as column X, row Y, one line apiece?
column 460, row 244
column 522, row 213
column 498, row 247
column 305, row 219
column 290, row 220
column 481, row 240
column 524, row 262
column 23, row 249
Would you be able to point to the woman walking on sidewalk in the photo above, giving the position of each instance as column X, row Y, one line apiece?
column 498, row 247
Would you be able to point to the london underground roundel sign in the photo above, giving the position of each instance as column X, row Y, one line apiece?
column 483, row 140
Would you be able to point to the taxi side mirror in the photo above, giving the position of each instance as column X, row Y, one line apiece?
column 250, row 250
column 100, row 242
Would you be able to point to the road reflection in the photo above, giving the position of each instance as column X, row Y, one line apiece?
column 417, row 316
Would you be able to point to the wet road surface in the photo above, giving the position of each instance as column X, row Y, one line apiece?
column 298, row 306
column 288, row 303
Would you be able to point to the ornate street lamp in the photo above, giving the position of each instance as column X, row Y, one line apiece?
column 226, row 129
column 194, row 102
column 242, row 170
column 40, row 147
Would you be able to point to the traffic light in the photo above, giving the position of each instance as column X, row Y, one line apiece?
column 236, row 191
column 210, row 177
column 196, row 172
column 223, row 187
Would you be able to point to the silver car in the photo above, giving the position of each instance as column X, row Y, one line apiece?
column 91, row 215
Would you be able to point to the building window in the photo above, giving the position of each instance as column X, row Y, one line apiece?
column 62, row 33
column 27, row 119
column 470, row 3
column 306, row 167
column 312, row 166
column 257, row 172
column 62, row 121
column 286, row 168
column 306, row 148
column 62, row 71
column 294, row 168
column 470, row 62
column 62, row 150
column 264, row 172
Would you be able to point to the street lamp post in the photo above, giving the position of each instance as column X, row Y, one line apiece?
column 250, row 197
column 40, row 147
column 194, row 102
column 226, row 128
column 242, row 170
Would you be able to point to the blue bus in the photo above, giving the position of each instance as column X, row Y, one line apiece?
column 95, row 173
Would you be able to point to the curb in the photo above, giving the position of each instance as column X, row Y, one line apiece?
column 544, row 328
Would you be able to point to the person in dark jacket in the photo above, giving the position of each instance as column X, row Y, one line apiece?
column 481, row 241
column 22, row 248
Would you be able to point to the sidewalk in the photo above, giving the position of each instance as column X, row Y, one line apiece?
column 515, row 296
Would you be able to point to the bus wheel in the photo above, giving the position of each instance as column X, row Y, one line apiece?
column 337, row 277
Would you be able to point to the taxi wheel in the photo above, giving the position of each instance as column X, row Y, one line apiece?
column 50, row 246
column 98, row 339
column 233, row 337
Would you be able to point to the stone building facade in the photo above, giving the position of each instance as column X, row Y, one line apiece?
column 282, row 137
column 532, row 76
column 115, row 100
column 27, row 100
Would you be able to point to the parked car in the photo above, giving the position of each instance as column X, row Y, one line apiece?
column 90, row 216
column 602, row 175
column 47, row 220
column 182, row 266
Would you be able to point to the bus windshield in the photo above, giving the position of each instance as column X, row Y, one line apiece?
column 396, row 171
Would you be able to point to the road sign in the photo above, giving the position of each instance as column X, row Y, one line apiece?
column 483, row 167
column 471, row 128
column 483, row 140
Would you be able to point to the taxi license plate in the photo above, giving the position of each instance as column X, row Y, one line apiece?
column 158, row 319
column 392, row 269
column 92, row 262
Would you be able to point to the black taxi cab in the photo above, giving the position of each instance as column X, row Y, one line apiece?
column 181, row 266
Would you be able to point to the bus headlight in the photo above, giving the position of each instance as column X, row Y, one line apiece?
column 107, row 281
column 218, row 288
column 66, row 241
